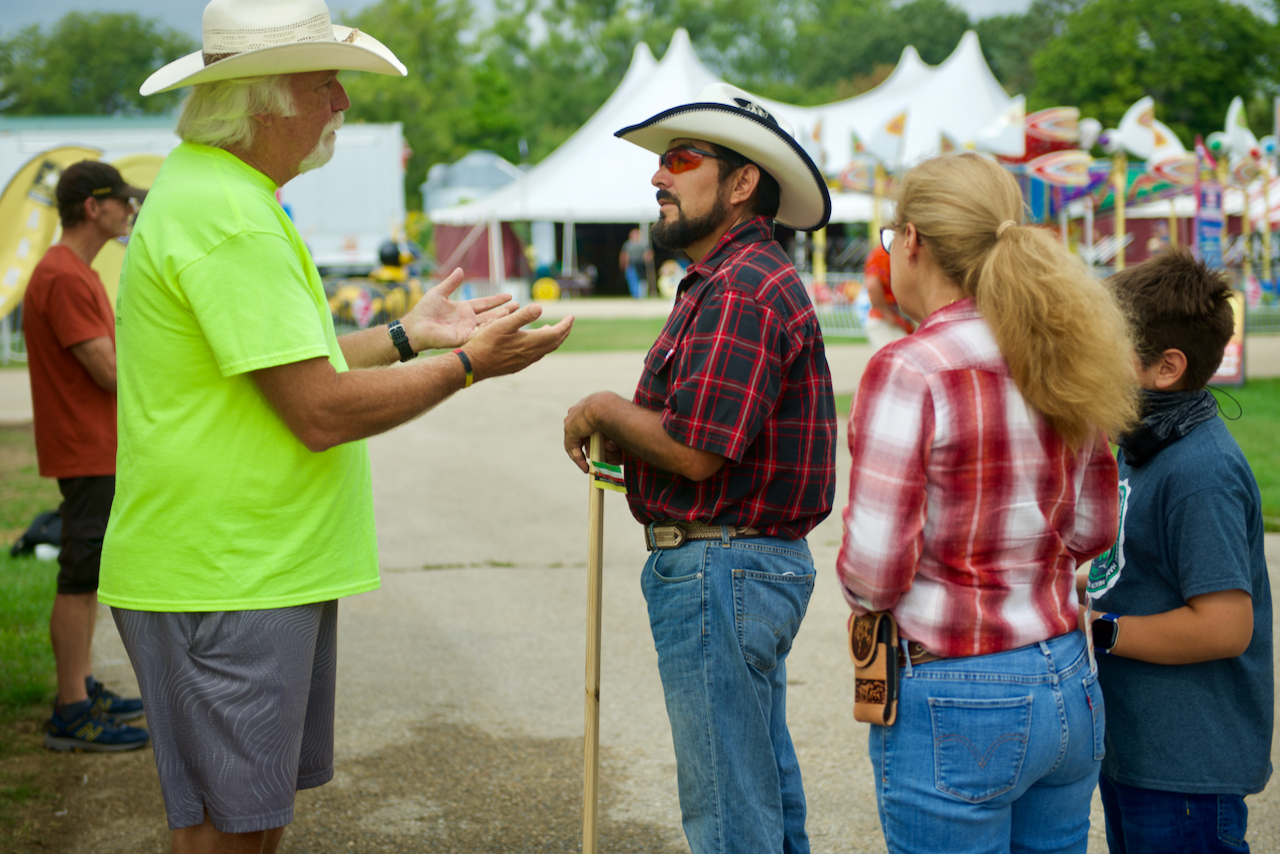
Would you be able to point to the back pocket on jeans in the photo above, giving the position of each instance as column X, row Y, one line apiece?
column 979, row 745
column 768, row 609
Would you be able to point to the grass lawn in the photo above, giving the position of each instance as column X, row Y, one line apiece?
column 26, row 597
column 591, row 334
column 26, row 584
column 1256, row 430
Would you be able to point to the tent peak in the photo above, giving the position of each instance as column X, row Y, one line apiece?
column 680, row 41
column 642, row 56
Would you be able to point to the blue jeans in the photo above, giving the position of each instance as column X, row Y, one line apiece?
column 639, row 286
column 992, row 753
column 1147, row 821
column 724, row 614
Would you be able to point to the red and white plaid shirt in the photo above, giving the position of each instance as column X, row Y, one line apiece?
column 967, row 514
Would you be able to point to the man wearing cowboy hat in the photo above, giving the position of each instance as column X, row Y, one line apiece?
column 729, row 453
column 243, row 509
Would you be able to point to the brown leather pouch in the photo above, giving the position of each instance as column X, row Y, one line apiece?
column 873, row 646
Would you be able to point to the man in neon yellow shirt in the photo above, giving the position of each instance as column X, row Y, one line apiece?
column 243, row 508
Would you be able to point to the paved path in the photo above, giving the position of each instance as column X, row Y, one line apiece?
column 460, row 694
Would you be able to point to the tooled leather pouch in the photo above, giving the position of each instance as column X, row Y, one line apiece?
column 873, row 646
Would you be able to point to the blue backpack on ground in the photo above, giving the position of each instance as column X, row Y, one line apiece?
column 45, row 528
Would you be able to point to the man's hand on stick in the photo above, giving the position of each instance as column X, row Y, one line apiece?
column 578, row 427
column 639, row 431
column 437, row 322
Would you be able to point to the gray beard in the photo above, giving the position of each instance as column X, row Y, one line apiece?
column 685, row 231
column 319, row 156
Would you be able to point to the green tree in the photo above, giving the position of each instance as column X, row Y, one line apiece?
column 569, row 55
column 437, row 101
column 1010, row 42
column 1191, row 56
column 88, row 63
column 843, row 40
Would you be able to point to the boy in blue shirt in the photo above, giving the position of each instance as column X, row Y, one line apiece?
column 1181, row 605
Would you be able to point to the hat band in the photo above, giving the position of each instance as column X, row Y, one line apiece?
column 221, row 44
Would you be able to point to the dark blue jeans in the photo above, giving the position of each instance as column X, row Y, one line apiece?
column 1148, row 821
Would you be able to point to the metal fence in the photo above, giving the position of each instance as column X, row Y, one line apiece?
column 12, row 348
column 1263, row 320
column 835, row 300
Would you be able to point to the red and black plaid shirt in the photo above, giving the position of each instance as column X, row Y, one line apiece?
column 739, row 370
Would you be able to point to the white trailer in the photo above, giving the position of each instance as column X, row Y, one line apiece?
column 344, row 210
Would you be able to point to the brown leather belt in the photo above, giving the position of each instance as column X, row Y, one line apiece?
column 918, row 654
column 671, row 535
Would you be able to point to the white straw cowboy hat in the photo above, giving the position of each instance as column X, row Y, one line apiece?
column 254, row 38
column 728, row 116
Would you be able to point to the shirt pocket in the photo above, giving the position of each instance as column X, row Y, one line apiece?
column 660, row 357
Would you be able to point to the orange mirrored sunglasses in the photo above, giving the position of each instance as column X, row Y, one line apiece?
column 677, row 160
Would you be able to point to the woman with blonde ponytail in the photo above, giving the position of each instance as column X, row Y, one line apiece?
column 981, row 479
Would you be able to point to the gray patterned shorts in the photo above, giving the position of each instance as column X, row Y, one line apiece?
column 240, row 708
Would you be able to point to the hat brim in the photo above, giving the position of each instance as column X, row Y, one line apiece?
column 805, row 202
column 131, row 192
column 362, row 53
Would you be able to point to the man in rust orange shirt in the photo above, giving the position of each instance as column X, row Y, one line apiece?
column 69, row 327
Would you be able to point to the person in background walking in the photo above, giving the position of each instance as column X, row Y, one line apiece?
column 634, row 261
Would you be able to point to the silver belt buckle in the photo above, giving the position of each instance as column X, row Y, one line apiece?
column 666, row 535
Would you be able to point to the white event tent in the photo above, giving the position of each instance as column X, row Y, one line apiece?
column 593, row 177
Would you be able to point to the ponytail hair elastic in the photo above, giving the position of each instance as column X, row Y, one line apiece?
column 1003, row 227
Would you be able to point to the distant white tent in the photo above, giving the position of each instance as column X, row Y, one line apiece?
column 596, row 178
column 593, row 176
column 958, row 98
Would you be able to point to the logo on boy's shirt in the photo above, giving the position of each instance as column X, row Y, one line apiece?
column 1105, row 570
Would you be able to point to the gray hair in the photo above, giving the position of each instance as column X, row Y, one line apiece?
column 220, row 113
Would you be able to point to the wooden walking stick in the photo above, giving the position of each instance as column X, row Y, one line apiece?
column 602, row 476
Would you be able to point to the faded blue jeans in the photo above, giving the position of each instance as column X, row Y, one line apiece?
column 992, row 753
column 724, row 614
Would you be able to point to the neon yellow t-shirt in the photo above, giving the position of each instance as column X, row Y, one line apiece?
column 218, row 506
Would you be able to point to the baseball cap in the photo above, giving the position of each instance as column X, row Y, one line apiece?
column 93, row 179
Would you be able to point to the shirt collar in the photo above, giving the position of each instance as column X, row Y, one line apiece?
column 236, row 164
column 961, row 309
column 755, row 230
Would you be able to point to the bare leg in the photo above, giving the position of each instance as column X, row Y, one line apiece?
column 204, row 838
column 71, row 631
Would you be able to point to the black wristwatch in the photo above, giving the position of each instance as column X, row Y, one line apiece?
column 1106, row 631
column 401, row 339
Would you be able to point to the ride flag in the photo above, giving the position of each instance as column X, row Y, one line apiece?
column 1209, row 218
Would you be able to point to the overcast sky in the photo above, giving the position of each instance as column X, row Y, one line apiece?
column 185, row 14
